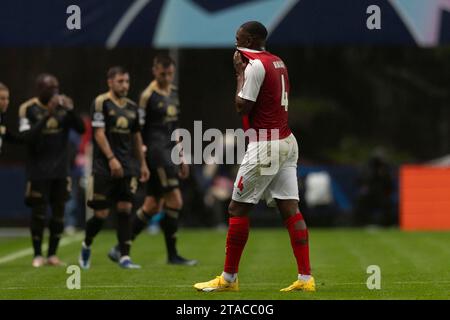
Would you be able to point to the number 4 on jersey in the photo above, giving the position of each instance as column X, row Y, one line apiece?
column 240, row 184
column 284, row 94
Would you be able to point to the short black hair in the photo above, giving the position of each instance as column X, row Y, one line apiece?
column 113, row 71
column 256, row 29
column 3, row 87
column 164, row 60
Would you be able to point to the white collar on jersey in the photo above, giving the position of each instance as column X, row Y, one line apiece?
column 249, row 50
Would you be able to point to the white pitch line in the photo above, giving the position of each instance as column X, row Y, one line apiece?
column 28, row 252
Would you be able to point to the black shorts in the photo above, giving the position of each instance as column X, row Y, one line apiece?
column 162, row 180
column 104, row 192
column 47, row 191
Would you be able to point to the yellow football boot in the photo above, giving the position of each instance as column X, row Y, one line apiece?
column 302, row 285
column 217, row 284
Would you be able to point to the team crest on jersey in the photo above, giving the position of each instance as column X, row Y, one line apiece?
column 172, row 111
column 122, row 123
column 61, row 113
column 131, row 114
column 52, row 124
column 112, row 113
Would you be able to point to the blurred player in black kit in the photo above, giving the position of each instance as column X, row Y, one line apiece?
column 159, row 104
column 44, row 124
column 117, row 148
column 6, row 136
column 4, row 103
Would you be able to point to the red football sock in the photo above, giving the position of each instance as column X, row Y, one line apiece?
column 299, row 243
column 236, row 239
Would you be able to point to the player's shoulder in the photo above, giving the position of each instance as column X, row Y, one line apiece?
column 256, row 67
column 256, row 63
column 24, row 107
column 100, row 100
column 131, row 103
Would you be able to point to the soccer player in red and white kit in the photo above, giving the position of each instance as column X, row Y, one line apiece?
column 262, row 98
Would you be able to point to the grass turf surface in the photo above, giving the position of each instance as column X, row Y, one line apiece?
column 413, row 266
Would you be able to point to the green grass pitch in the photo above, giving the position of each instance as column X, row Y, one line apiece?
column 414, row 265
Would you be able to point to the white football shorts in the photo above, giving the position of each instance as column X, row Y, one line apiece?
column 268, row 171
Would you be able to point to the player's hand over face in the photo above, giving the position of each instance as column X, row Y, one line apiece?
column 238, row 63
column 145, row 173
column 53, row 104
column 66, row 102
column 116, row 168
column 184, row 171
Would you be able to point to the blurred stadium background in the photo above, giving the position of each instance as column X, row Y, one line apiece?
column 370, row 108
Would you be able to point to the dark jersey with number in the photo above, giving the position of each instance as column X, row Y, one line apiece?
column 161, row 113
column 47, row 139
column 120, row 119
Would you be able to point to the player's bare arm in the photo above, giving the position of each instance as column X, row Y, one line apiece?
column 243, row 106
column 114, row 164
column 66, row 102
column 184, row 170
column 139, row 150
